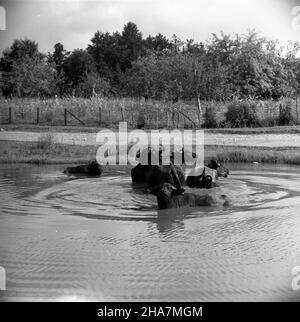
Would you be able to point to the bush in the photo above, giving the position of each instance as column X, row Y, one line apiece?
column 46, row 142
column 242, row 114
column 268, row 122
column 93, row 84
column 285, row 114
column 210, row 118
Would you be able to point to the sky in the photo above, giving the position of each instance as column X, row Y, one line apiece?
column 74, row 22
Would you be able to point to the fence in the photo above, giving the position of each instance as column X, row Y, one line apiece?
column 102, row 112
column 97, row 112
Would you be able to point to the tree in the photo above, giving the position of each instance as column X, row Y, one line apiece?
column 59, row 55
column 255, row 68
column 106, row 52
column 19, row 51
column 292, row 66
column 159, row 76
column 131, row 43
column 114, row 53
column 77, row 66
column 33, row 77
column 93, row 85
column 158, row 43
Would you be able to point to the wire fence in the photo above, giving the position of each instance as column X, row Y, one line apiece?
column 104, row 112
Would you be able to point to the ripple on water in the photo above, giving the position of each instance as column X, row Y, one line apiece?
column 57, row 251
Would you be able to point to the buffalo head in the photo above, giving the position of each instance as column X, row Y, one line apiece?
column 221, row 170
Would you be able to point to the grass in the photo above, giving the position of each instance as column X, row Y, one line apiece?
column 254, row 154
column 99, row 112
column 289, row 129
column 45, row 151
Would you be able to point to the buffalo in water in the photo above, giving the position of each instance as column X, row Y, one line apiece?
column 92, row 169
column 155, row 175
column 207, row 179
column 168, row 197
column 221, row 170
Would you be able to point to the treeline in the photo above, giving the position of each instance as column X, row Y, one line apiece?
column 126, row 64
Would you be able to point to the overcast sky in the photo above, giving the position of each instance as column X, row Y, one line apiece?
column 73, row 22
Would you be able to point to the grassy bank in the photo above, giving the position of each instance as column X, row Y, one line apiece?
column 42, row 153
column 47, row 152
column 254, row 154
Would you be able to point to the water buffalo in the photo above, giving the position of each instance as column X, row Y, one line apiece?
column 168, row 197
column 142, row 172
column 221, row 170
column 155, row 175
column 160, row 174
column 92, row 169
column 207, row 179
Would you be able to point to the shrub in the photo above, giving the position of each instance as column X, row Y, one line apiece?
column 242, row 114
column 210, row 118
column 268, row 122
column 93, row 84
column 46, row 142
column 285, row 114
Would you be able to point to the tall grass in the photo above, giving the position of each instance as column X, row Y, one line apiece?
column 108, row 112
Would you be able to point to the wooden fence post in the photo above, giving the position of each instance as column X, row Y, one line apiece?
column 10, row 115
column 168, row 119
column 99, row 115
column 123, row 111
column 109, row 116
column 199, row 110
column 65, row 116
column 297, row 113
column 37, row 115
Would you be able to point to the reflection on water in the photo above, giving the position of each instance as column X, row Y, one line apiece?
column 102, row 239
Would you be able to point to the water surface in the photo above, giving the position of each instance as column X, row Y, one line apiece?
column 101, row 239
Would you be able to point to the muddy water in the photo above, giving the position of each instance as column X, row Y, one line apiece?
column 101, row 239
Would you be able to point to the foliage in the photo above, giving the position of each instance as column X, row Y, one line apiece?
column 92, row 85
column 20, row 55
column 77, row 66
column 124, row 63
column 210, row 118
column 242, row 114
column 31, row 77
column 285, row 114
column 46, row 142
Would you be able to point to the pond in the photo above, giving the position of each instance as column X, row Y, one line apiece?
column 100, row 239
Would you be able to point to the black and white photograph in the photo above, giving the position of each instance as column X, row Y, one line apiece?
column 150, row 152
